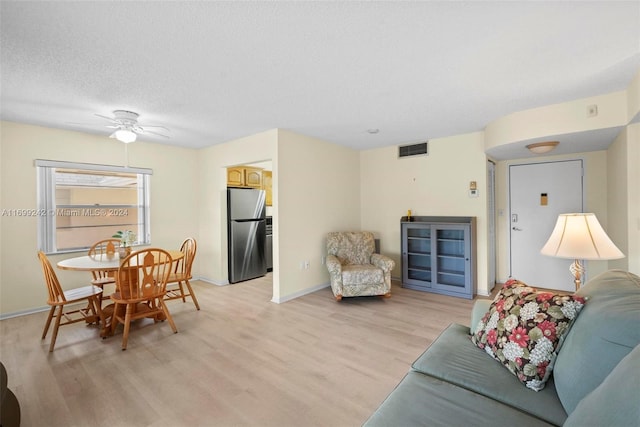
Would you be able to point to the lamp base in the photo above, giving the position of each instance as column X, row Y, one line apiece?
column 577, row 270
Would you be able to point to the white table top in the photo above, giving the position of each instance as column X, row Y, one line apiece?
column 102, row 262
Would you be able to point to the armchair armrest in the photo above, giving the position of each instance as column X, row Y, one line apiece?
column 383, row 262
column 333, row 265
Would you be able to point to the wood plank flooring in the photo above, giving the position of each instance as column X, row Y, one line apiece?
column 240, row 361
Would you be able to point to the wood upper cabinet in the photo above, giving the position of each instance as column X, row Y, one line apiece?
column 244, row 176
column 266, row 186
column 253, row 177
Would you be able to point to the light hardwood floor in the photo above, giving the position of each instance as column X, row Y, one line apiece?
column 241, row 360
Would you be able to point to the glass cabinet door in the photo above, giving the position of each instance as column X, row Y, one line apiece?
column 417, row 255
column 451, row 257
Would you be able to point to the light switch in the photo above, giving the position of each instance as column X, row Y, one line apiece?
column 472, row 185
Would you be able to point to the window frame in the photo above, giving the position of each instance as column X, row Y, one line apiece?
column 46, row 200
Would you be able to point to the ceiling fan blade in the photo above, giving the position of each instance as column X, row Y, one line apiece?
column 111, row 119
column 150, row 132
column 156, row 126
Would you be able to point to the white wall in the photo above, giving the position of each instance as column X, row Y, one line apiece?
column 433, row 185
column 173, row 196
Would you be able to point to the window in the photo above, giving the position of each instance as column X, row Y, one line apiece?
column 80, row 204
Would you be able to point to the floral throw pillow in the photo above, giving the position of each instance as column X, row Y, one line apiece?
column 524, row 329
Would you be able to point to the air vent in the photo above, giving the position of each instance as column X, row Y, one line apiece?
column 413, row 150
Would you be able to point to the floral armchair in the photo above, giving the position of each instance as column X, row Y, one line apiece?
column 354, row 268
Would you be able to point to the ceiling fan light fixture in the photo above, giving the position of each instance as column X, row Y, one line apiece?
column 125, row 135
column 542, row 147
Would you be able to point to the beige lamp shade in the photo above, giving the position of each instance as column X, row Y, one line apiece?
column 580, row 236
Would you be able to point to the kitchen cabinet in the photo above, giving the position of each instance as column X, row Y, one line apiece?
column 438, row 255
column 244, row 176
column 266, row 186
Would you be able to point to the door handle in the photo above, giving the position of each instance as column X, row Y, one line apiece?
column 516, row 229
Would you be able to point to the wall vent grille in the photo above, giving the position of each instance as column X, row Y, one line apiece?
column 419, row 149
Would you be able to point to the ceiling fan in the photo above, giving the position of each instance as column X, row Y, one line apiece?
column 127, row 128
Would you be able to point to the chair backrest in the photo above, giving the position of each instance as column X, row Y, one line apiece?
column 188, row 248
column 351, row 247
column 143, row 274
column 103, row 247
column 56, row 294
column 106, row 246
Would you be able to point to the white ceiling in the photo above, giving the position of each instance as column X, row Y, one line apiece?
column 216, row 71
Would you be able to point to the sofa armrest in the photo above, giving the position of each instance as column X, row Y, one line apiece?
column 383, row 262
column 480, row 308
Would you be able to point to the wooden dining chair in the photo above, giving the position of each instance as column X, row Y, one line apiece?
column 181, row 274
column 59, row 299
column 104, row 247
column 141, row 284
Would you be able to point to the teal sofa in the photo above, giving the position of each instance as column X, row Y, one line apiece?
column 595, row 380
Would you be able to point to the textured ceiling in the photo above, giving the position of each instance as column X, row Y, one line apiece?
column 216, row 71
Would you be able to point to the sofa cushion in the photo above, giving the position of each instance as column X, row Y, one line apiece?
column 524, row 328
column 606, row 331
column 421, row 400
column 613, row 403
column 454, row 358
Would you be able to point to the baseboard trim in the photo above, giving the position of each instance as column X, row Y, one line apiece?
column 211, row 281
column 301, row 293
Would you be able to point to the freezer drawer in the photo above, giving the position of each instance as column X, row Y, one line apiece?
column 246, row 250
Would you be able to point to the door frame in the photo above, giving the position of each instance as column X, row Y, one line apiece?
column 507, row 216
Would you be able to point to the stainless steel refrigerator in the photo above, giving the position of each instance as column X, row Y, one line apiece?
column 246, row 234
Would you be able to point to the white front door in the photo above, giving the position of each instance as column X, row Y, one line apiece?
column 538, row 193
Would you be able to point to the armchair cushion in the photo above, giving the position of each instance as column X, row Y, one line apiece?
column 366, row 273
column 351, row 247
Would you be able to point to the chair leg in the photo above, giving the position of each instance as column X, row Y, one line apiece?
column 165, row 310
column 114, row 318
column 387, row 295
column 193, row 296
column 48, row 322
column 55, row 328
column 182, row 292
column 127, row 326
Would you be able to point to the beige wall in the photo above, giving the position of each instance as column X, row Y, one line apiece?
column 633, row 191
column 174, row 201
column 212, row 214
column 316, row 190
column 624, row 197
column 558, row 119
column 433, row 185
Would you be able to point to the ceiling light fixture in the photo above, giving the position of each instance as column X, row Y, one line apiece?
column 125, row 135
column 542, row 147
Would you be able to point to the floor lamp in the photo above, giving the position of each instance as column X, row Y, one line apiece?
column 580, row 236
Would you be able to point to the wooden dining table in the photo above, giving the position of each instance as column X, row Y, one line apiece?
column 103, row 262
